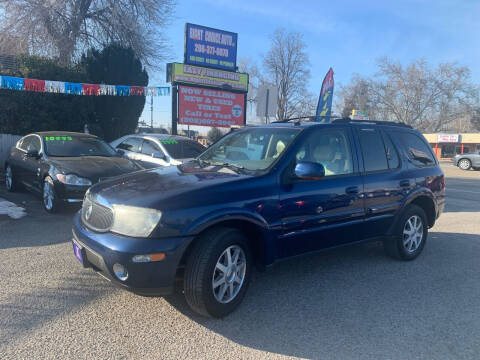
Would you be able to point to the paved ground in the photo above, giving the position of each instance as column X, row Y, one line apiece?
column 352, row 303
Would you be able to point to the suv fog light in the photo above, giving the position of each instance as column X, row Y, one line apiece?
column 120, row 272
column 148, row 258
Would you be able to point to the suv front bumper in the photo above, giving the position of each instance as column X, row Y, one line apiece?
column 100, row 251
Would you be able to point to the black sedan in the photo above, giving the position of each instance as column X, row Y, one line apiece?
column 61, row 166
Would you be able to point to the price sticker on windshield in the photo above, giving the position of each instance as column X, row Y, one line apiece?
column 58, row 138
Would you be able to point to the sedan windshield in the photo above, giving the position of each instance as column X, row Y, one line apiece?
column 182, row 149
column 250, row 149
column 74, row 146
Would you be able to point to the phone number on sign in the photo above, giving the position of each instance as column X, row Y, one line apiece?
column 211, row 50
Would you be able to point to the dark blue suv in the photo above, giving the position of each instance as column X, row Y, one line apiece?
column 258, row 195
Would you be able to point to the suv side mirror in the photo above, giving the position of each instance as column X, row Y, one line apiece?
column 159, row 155
column 33, row 154
column 307, row 170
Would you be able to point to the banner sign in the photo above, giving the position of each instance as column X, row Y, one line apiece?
column 209, row 107
column 324, row 106
column 197, row 75
column 209, row 47
column 62, row 87
column 448, row 138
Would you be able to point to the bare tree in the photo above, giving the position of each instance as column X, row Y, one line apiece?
column 430, row 99
column 355, row 96
column 287, row 65
column 249, row 66
column 65, row 28
column 475, row 119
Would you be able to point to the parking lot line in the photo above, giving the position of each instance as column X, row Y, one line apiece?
column 465, row 191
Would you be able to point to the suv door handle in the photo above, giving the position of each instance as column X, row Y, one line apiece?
column 405, row 183
column 352, row 190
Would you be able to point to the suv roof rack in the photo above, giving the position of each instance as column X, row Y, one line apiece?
column 297, row 120
column 345, row 120
column 348, row 120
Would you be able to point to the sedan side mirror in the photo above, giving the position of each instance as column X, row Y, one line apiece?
column 307, row 170
column 159, row 155
column 33, row 154
column 120, row 152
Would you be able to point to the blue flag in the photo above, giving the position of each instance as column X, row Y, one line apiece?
column 324, row 107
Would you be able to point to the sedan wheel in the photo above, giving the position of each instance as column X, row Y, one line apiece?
column 464, row 164
column 50, row 202
column 9, row 178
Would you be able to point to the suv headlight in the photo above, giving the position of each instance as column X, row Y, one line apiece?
column 71, row 179
column 134, row 221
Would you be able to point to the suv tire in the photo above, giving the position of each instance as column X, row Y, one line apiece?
column 219, row 248
column 410, row 234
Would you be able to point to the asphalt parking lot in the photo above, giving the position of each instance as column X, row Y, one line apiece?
column 349, row 303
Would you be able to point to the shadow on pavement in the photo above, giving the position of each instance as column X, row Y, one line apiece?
column 336, row 302
column 37, row 228
column 22, row 312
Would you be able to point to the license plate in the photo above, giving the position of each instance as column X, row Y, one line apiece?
column 77, row 251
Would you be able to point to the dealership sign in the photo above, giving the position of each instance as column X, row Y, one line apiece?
column 209, row 47
column 359, row 115
column 196, row 75
column 448, row 138
column 210, row 107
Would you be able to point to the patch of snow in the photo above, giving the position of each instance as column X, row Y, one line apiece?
column 11, row 209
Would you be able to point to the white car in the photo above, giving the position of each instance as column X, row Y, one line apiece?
column 155, row 150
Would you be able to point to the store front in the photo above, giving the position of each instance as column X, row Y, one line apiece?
column 446, row 146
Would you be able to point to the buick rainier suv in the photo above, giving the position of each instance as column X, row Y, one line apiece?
column 259, row 195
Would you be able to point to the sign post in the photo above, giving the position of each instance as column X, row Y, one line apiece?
column 174, row 109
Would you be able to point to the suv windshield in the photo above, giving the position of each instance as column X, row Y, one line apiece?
column 73, row 146
column 251, row 149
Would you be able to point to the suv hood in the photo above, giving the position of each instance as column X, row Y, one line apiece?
column 94, row 167
column 150, row 188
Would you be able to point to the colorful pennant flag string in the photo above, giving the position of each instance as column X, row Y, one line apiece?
column 61, row 87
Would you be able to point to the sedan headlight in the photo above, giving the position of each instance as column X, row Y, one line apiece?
column 134, row 221
column 71, row 179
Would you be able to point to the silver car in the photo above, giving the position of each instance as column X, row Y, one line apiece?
column 155, row 150
column 467, row 161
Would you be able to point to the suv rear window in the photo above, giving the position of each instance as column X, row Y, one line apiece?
column 418, row 152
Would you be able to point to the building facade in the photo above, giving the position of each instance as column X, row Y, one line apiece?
column 447, row 146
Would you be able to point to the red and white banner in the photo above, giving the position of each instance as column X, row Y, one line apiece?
column 210, row 107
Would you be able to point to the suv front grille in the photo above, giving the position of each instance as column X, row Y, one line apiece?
column 100, row 218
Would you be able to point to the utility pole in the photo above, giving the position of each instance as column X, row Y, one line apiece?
column 151, row 111
column 266, row 106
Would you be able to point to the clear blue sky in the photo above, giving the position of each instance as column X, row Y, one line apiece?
column 346, row 35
